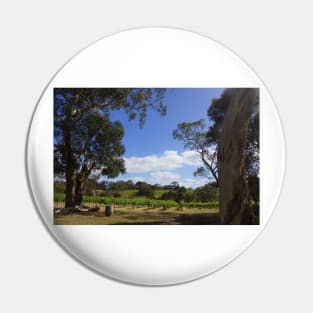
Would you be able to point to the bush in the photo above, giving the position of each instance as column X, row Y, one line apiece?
column 145, row 190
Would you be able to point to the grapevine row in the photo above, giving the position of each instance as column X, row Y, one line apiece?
column 59, row 197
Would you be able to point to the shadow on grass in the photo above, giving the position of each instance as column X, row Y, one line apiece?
column 169, row 219
column 199, row 219
column 151, row 218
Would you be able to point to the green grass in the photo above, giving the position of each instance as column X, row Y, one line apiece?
column 159, row 192
column 128, row 193
column 139, row 211
column 142, row 216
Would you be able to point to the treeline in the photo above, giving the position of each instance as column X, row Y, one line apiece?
column 130, row 189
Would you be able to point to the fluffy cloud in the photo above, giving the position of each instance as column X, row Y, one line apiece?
column 163, row 178
column 166, row 177
column 192, row 183
column 169, row 160
column 191, row 158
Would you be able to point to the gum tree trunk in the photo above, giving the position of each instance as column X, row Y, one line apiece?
column 70, row 162
column 234, row 201
column 79, row 191
column 69, row 189
column 80, row 183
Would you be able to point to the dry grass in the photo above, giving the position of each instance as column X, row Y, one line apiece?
column 142, row 216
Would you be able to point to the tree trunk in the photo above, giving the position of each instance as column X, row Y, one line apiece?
column 81, row 179
column 69, row 189
column 79, row 190
column 70, row 161
column 213, row 172
column 235, row 206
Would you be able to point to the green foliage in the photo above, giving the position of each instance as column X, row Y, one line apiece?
column 206, row 193
column 194, row 137
column 253, row 146
column 216, row 114
column 119, row 186
column 95, row 143
column 206, row 140
column 58, row 197
column 145, row 190
column 192, row 134
column 85, row 140
column 177, row 194
column 254, row 186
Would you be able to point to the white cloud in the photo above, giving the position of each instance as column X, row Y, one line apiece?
column 166, row 177
column 137, row 179
column 191, row 158
column 192, row 183
column 169, row 160
column 163, row 178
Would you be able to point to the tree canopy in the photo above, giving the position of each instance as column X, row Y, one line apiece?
column 194, row 137
column 205, row 140
column 216, row 142
column 216, row 114
column 85, row 140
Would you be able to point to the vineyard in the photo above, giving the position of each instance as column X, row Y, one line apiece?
column 59, row 199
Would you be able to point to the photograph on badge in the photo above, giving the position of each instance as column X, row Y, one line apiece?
column 156, row 156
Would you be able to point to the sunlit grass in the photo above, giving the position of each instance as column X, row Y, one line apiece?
column 143, row 216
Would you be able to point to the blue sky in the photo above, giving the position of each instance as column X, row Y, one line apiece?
column 151, row 152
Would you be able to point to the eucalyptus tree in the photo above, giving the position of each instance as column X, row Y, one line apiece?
column 86, row 141
column 229, row 146
column 234, row 196
column 194, row 137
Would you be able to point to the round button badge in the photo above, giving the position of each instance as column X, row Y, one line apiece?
column 155, row 156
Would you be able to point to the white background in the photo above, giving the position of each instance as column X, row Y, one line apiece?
column 275, row 273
